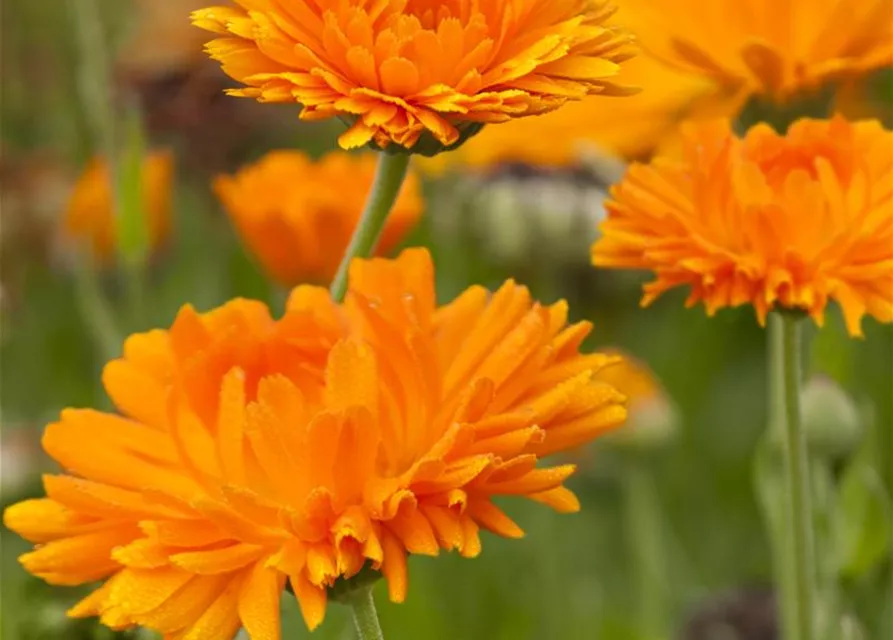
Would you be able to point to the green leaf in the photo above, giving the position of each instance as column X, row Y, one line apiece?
column 132, row 221
column 862, row 521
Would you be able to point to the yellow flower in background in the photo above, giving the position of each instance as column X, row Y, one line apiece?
column 252, row 451
column 774, row 221
column 628, row 128
column 297, row 215
column 90, row 216
column 401, row 69
column 766, row 47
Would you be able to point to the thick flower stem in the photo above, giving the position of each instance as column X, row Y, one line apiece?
column 365, row 617
column 781, row 533
column 388, row 179
column 799, row 509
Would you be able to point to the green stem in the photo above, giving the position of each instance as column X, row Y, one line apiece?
column 364, row 615
column 781, row 534
column 388, row 179
column 644, row 529
column 96, row 311
column 799, row 510
column 134, row 289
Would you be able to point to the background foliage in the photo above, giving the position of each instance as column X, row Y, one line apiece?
column 573, row 576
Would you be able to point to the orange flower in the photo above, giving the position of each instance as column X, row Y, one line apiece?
column 766, row 47
column 90, row 216
column 398, row 69
column 297, row 216
column 252, row 451
column 769, row 220
column 627, row 128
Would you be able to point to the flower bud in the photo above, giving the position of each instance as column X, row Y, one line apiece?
column 830, row 418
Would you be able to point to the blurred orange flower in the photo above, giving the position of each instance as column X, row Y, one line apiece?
column 628, row 128
column 90, row 215
column 765, row 47
column 769, row 220
column 252, row 451
column 297, row 215
column 398, row 69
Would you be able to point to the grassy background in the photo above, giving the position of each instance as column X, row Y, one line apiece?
column 572, row 576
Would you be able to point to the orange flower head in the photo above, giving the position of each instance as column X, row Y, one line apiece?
column 297, row 215
column 765, row 47
column 251, row 451
column 772, row 220
column 90, row 216
column 401, row 71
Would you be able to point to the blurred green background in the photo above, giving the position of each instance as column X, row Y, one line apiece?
column 667, row 538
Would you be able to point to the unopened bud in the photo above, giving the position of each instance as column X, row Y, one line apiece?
column 830, row 418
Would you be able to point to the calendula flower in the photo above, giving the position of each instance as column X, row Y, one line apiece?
column 628, row 128
column 297, row 215
column 771, row 220
column 400, row 69
column 90, row 215
column 252, row 451
column 766, row 48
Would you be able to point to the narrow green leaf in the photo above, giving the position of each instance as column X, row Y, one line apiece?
column 131, row 220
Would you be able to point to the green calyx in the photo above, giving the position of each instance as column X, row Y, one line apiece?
column 344, row 588
column 429, row 146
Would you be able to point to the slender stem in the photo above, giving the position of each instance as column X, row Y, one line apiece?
column 798, row 483
column 781, row 534
column 97, row 314
column 644, row 530
column 365, row 617
column 94, row 76
column 388, row 179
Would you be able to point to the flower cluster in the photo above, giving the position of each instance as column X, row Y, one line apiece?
column 252, row 451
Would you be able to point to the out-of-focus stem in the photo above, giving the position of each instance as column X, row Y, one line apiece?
column 644, row 530
column 797, row 476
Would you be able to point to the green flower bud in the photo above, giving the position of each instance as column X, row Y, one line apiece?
column 344, row 588
column 830, row 417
